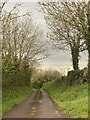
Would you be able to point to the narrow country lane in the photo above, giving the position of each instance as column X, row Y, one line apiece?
column 38, row 105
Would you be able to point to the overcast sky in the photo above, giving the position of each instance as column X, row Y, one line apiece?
column 58, row 59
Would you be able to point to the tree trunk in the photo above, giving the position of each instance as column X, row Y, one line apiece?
column 88, row 48
column 88, row 41
column 75, row 57
column 89, row 68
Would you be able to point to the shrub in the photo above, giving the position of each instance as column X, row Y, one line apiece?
column 76, row 76
column 62, row 79
column 37, row 84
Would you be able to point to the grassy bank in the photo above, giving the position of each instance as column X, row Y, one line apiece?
column 14, row 96
column 72, row 99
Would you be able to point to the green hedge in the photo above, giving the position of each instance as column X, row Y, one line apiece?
column 77, row 76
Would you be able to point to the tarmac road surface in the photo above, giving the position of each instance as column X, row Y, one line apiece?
column 38, row 105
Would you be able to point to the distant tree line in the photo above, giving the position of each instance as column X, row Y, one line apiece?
column 39, row 77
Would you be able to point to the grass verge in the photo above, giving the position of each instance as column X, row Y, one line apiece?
column 72, row 99
column 14, row 96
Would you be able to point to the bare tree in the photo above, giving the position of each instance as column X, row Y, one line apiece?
column 79, row 18
column 21, row 37
column 21, row 41
column 63, row 34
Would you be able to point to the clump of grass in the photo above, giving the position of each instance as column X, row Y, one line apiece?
column 72, row 99
column 13, row 96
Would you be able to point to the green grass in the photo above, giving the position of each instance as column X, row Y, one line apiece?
column 72, row 99
column 0, row 102
column 13, row 97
